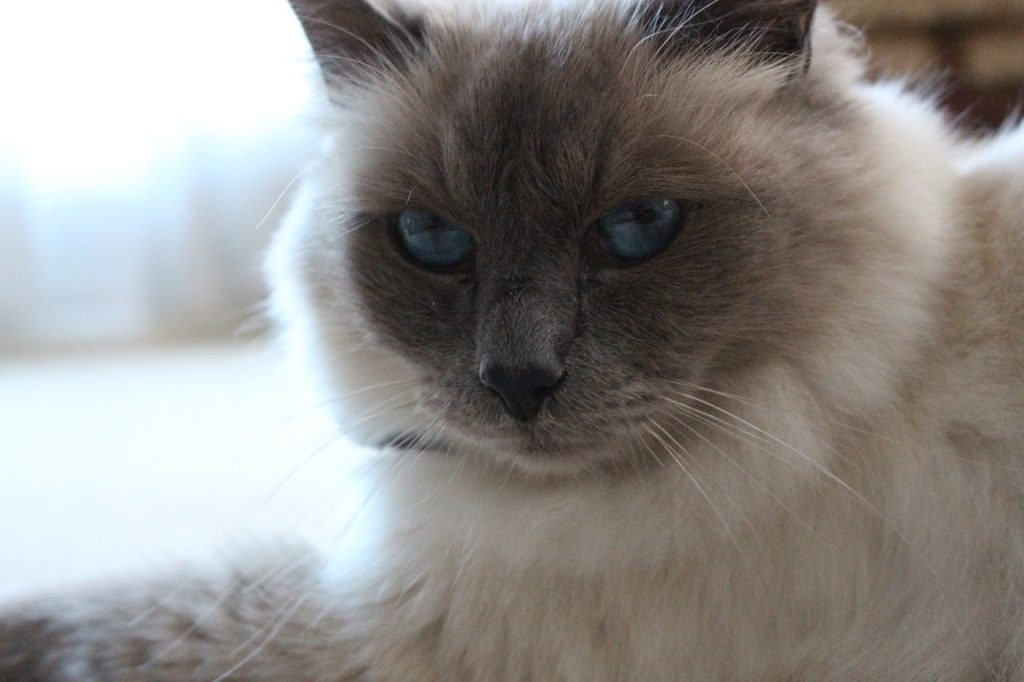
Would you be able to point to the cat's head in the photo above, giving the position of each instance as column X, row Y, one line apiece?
column 543, row 231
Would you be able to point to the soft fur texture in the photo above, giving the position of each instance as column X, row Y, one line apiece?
column 788, row 448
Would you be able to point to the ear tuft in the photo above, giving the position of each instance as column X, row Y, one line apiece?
column 350, row 36
column 771, row 29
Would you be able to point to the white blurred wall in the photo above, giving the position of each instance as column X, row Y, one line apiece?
column 142, row 146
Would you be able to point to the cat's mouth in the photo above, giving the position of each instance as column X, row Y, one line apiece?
column 559, row 441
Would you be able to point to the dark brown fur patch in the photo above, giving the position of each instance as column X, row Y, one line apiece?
column 771, row 29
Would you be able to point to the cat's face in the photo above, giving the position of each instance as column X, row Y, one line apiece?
column 564, row 229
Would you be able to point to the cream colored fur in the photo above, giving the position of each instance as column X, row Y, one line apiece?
column 867, row 523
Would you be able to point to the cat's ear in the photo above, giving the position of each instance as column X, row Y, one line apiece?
column 770, row 30
column 352, row 36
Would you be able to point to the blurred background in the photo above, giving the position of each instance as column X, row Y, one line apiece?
column 976, row 46
column 143, row 147
column 146, row 154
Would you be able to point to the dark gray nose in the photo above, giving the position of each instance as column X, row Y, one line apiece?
column 523, row 389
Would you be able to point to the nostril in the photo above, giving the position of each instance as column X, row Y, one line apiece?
column 540, row 379
column 522, row 389
column 550, row 384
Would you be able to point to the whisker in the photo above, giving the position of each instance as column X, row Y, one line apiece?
column 704, row 494
column 374, row 412
column 271, row 574
column 197, row 622
column 284, row 192
column 276, row 627
column 728, row 167
column 829, row 476
column 810, row 460
column 753, row 479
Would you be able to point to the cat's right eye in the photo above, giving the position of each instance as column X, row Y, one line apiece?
column 431, row 241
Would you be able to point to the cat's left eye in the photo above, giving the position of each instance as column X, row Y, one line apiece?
column 640, row 230
column 432, row 241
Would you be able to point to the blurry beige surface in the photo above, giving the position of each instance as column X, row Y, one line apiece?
column 111, row 464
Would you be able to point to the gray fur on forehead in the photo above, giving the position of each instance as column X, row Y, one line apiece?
column 553, row 113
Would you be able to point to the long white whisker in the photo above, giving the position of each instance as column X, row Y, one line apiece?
column 275, row 627
column 369, row 414
column 697, row 485
column 287, row 187
column 831, row 477
column 753, row 479
column 810, row 460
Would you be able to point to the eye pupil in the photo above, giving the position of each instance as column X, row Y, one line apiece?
column 641, row 230
column 431, row 241
column 645, row 215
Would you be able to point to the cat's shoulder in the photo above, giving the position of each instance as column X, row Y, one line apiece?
column 993, row 173
column 984, row 294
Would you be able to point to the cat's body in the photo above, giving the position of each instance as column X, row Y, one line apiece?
column 835, row 493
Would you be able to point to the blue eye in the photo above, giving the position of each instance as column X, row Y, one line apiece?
column 432, row 241
column 640, row 230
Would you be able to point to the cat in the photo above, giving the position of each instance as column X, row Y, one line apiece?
column 691, row 353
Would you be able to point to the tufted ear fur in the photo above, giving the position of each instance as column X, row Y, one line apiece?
column 349, row 36
column 771, row 29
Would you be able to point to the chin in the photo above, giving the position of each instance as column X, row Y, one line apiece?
column 552, row 466
column 541, row 457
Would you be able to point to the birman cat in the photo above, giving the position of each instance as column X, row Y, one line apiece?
column 690, row 352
